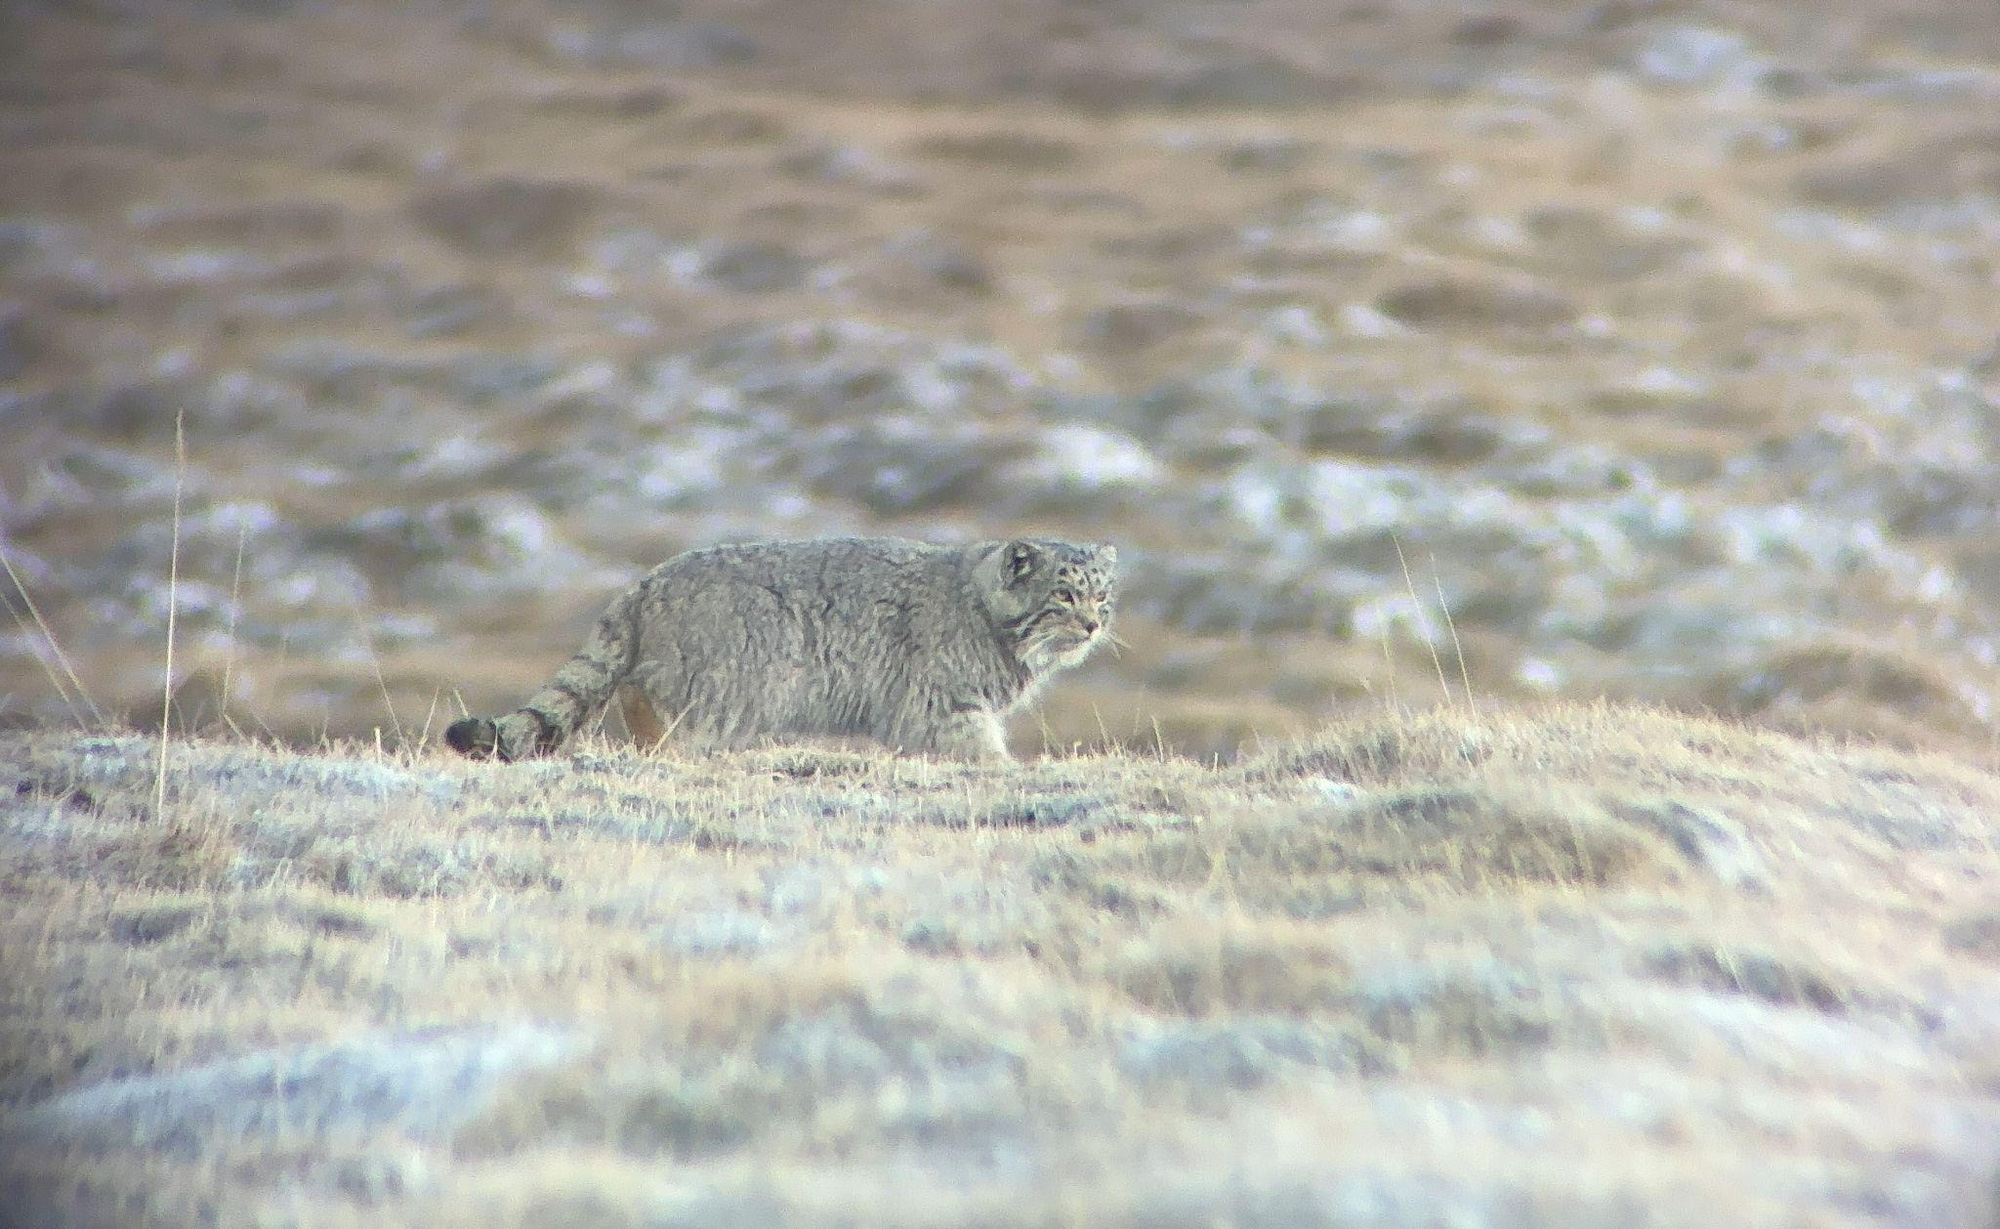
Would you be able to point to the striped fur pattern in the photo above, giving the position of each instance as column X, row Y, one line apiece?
column 923, row 648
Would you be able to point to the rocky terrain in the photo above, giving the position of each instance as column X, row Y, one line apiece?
column 1575, row 966
column 1643, row 350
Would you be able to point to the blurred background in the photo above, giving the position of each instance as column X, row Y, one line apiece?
column 1657, row 344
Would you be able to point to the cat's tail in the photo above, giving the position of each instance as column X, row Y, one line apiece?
column 575, row 695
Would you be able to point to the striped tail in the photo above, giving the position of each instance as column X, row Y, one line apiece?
column 565, row 702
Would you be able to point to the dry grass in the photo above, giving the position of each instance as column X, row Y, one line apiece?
column 1576, row 965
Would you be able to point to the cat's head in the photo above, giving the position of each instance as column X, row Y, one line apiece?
column 1052, row 599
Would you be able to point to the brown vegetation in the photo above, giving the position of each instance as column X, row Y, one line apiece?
column 1655, row 339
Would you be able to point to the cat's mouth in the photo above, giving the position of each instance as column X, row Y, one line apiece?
column 1066, row 646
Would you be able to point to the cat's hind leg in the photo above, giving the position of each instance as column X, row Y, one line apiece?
column 641, row 721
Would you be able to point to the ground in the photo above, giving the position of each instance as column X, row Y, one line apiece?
column 1578, row 965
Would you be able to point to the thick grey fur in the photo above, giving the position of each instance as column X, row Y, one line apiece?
column 923, row 648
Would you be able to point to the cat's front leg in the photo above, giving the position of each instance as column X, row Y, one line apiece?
column 971, row 734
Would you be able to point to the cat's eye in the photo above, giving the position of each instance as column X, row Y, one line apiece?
column 1064, row 594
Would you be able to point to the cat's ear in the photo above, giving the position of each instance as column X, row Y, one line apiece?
column 1107, row 554
column 1020, row 558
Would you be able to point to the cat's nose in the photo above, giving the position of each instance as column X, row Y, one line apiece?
column 1090, row 627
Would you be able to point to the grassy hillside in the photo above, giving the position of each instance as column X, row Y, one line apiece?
column 1637, row 350
column 1579, row 966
